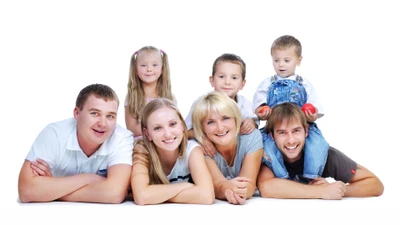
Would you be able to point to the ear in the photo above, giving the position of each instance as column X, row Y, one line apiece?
column 300, row 58
column 243, row 83
column 147, row 134
column 211, row 79
column 76, row 112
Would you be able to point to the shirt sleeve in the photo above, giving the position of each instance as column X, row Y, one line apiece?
column 124, row 149
column 45, row 147
column 253, row 141
column 260, row 96
column 339, row 166
column 312, row 97
column 246, row 109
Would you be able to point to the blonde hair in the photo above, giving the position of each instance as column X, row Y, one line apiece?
column 144, row 150
column 136, row 98
column 286, row 41
column 214, row 102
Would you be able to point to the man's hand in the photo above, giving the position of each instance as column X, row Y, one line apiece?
column 41, row 168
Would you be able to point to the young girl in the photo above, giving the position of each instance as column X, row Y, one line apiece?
column 149, row 79
column 235, row 166
column 166, row 166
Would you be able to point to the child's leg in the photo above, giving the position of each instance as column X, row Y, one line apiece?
column 315, row 152
column 273, row 158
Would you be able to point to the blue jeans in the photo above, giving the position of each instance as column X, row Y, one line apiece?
column 315, row 154
column 286, row 90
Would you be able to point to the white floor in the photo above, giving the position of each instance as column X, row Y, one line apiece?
column 256, row 210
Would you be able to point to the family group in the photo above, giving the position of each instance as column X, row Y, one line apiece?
column 218, row 151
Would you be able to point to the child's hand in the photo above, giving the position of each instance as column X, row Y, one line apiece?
column 263, row 112
column 208, row 147
column 311, row 117
column 248, row 125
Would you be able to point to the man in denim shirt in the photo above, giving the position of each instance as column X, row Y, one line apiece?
column 288, row 127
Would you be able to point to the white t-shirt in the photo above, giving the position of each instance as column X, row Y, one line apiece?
column 57, row 144
column 260, row 96
column 243, row 103
column 181, row 172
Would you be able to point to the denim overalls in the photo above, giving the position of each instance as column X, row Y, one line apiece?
column 315, row 148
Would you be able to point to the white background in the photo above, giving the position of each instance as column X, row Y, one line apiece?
column 50, row 50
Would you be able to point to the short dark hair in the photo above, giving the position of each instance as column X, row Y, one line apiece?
column 232, row 58
column 98, row 90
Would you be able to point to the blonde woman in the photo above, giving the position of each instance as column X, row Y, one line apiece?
column 166, row 166
column 235, row 166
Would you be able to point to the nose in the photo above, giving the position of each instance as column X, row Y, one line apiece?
column 102, row 120
column 281, row 63
column 290, row 138
column 219, row 126
column 149, row 68
column 168, row 132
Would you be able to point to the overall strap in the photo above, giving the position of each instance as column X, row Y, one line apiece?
column 299, row 79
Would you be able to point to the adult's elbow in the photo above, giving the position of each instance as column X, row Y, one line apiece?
column 26, row 195
column 379, row 189
column 207, row 197
column 264, row 191
column 141, row 199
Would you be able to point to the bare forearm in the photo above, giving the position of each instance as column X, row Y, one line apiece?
column 365, row 188
column 195, row 195
column 158, row 193
column 100, row 192
column 44, row 189
column 282, row 188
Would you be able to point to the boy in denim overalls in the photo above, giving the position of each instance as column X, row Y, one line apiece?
column 287, row 86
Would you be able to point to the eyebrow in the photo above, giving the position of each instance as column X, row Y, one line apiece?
column 98, row 110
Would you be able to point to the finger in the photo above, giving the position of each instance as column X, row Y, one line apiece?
column 229, row 196
column 239, row 199
column 37, row 170
column 242, row 179
column 41, row 161
column 34, row 172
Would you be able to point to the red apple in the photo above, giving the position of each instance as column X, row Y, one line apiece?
column 308, row 106
column 263, row 109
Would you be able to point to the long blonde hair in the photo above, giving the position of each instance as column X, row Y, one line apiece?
column 136, row 99
column 144, row 150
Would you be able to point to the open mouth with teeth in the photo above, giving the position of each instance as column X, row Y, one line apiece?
column 169, row 141
column 223, row 134
column 291, row 148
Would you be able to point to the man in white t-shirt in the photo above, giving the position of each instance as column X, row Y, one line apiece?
column 87, row 158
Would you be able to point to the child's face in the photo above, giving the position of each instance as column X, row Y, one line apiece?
column 149, row 67
column 285, row 61
column 165, row 129
column 228, row 78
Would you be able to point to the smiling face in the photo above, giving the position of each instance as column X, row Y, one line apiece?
column 149, row 66
column 165, row 129
column 285, row 61
column 290, row 136
column 228, row 78
column 220, row 129
column 95, row 122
